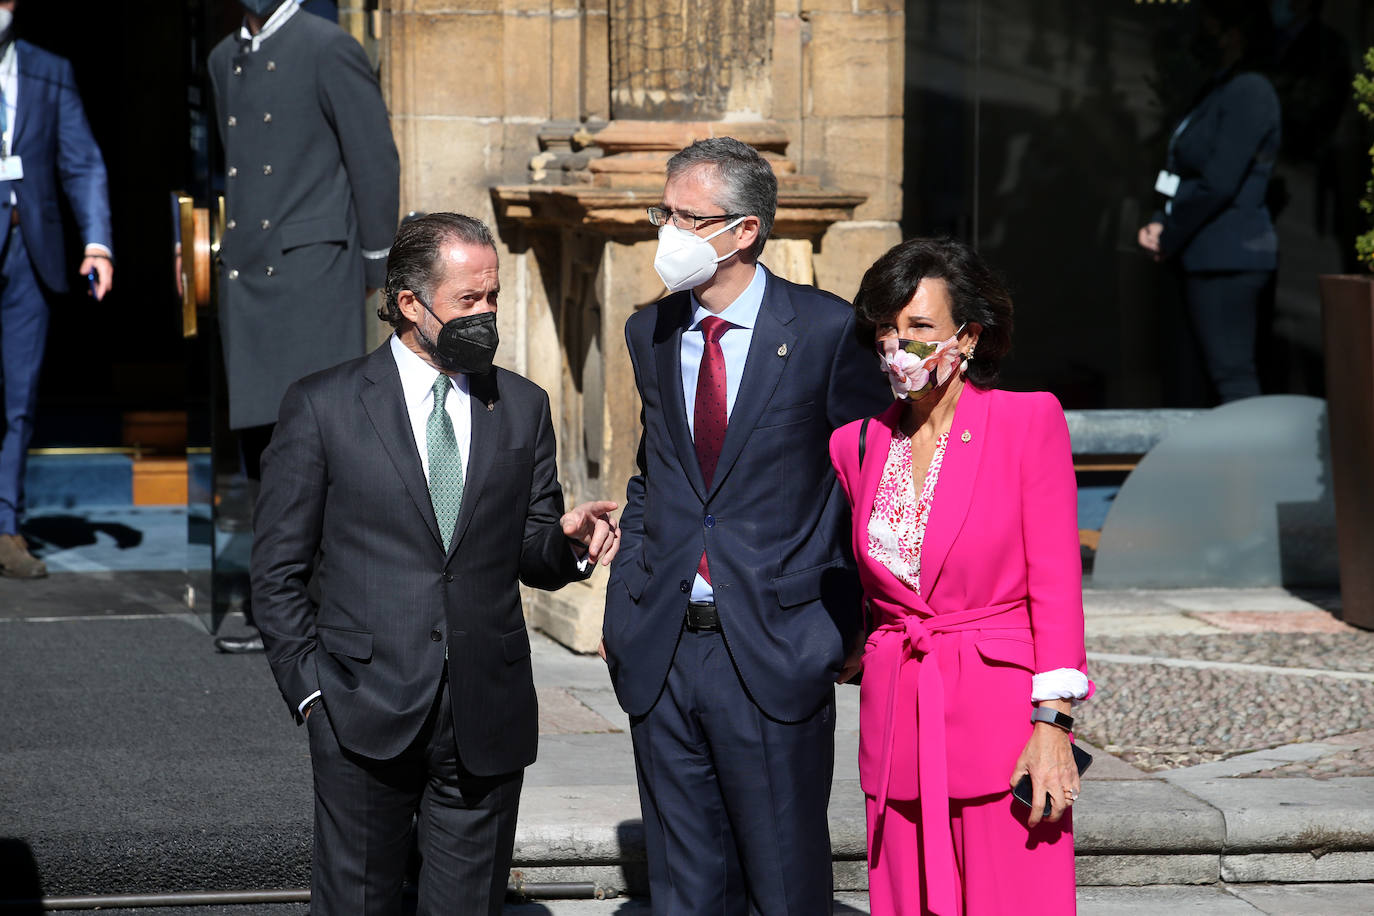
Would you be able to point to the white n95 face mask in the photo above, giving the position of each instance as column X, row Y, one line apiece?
column 685, row 260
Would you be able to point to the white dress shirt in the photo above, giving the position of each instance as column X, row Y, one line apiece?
column 743, row 313
column 417, row 386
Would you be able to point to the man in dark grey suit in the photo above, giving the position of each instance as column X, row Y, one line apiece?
column 312, row 194
column 405, row 497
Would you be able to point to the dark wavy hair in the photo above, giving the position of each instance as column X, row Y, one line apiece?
column 413, row 263
column 976, row 293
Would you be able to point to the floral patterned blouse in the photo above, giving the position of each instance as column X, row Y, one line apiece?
column 897, row 527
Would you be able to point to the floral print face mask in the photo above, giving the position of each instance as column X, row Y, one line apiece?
column 915, row 368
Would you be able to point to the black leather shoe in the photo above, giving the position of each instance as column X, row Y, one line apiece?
column 239, row 645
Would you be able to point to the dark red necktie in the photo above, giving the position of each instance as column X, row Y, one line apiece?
column 708, row 419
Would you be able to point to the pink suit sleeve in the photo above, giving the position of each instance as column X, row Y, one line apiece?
column 1054, row 567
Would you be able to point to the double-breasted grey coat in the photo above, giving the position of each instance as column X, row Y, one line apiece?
column 312, row 195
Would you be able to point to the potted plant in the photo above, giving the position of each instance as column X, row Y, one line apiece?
column 1348, row 335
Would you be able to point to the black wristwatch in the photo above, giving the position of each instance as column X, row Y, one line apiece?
column 1053, row 717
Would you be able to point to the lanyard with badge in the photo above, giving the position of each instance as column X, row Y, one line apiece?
column 11, row 167
column 1167, row 182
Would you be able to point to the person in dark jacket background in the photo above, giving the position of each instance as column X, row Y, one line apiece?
column 1215, row 225
column 47, row 146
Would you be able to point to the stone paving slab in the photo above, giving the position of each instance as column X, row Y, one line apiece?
column 1170, row 623
column 1299, row 867
column 1152, row 901
column 1307, row 899
column 1137, row 817
column 1313, row 621
column 1114, row 871
column 1297, row 814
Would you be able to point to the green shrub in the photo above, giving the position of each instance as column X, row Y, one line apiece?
column 1364, row 101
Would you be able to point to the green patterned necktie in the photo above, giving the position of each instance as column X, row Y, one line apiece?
column 445, row 463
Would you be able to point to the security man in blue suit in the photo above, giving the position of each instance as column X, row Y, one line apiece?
column 47, row 144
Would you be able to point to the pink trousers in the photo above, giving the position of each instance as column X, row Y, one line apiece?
column 1001, row 867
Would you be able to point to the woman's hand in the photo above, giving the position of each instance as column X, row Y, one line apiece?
column 1048, row 758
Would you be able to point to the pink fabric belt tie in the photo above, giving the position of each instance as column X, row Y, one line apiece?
column 910, row 638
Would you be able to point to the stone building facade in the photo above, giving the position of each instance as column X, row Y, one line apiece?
column 552, row 121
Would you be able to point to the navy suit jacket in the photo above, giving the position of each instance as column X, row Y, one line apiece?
column 55, row 142
column 774, row 522
column 1224, row 156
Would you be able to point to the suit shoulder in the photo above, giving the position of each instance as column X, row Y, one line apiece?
column 329, row 39
column 328, row 380
column 1028, row 410
column 1252, row 87
column 36, row 60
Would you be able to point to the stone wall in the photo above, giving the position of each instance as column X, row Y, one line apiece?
column 476, row 89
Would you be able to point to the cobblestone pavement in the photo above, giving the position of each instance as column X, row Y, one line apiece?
column 1236, row 692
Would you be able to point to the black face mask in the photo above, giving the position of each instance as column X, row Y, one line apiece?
column 466, row 344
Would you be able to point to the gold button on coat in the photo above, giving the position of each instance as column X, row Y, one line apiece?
column 271, row 65
column 233, row 121
column 233, row 275
column 267, row 224
column 233, row 172
column 231, row 224
column 267, row 118
column 271, row 270
column 238, row 70
column 267, row 170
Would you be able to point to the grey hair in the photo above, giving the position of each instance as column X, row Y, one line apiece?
column 413, row 263
column 749, row 185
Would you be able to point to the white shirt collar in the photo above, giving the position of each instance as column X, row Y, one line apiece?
column 274, row 22
column 417, row 376
column 744, row 311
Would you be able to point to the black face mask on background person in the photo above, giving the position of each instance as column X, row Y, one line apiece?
column 465, row 344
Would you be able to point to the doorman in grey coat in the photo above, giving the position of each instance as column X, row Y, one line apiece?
column 312, row 196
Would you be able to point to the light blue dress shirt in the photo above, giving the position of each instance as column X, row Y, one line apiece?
column 743, row 313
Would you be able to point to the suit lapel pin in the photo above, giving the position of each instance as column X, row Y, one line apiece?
column 491, row 405
column 782, row 351
column 967, row 437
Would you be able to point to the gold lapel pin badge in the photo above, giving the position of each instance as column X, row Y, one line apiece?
column 967, row 436
column 782, row 351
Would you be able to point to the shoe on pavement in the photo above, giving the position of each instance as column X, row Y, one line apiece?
column 240, row 645
column 16, row 561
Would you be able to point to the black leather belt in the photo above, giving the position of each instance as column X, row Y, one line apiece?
column 702, row 617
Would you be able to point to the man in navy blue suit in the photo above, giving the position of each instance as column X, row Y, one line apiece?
column 733, row 603
column 47, row 144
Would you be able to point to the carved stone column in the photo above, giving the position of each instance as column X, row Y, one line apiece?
column 690, row 60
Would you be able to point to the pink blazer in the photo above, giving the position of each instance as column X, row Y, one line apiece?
column 1001, row 598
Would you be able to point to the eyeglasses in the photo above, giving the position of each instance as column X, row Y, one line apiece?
column 659, row 216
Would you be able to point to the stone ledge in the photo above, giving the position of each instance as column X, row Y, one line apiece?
column 1295, row 814
column 1122, row 432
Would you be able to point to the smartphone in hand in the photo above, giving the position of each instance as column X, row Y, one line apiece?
column 1022, row 790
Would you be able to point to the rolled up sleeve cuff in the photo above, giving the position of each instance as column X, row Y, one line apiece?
column 1061, row 684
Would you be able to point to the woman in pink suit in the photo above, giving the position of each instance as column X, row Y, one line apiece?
column 965, row 530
